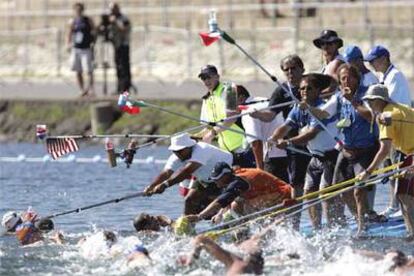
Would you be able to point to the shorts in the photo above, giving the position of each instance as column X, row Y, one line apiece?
column 209, row 188
column 347, row 168
column 297, row 164
column 405, row 185
column 278, row 166
column 244, row 159
column 81, row 60
column 320, row 171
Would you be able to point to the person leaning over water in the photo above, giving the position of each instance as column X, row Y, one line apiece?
column 293, row 68
column 396, row 125
column 219, row 103
column 245, row 190
column 267, row 158
column 320, row 170
column 360, row 140
column 398, row 91
column 191, row 158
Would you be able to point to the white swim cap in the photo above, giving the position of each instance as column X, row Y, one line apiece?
column 10, row 220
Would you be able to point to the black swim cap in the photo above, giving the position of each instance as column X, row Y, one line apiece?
column 44, row 224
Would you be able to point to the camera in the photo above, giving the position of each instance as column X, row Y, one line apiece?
column 104, row 29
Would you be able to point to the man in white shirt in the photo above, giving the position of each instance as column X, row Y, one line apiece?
column 191, row 158
column 394, row 79
column 267, row 157
column 399, row 92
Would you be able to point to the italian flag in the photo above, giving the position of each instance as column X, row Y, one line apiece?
column 131, row 107
column 209, row 38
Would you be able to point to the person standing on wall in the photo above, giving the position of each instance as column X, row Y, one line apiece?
column 120, row 33
column 80, row 41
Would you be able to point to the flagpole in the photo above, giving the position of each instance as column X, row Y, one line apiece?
column 213, row 124
column 231, row 40
column 102, row 136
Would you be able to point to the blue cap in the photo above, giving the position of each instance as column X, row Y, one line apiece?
column 376, row 52
column 141, row 249
column 351, row 53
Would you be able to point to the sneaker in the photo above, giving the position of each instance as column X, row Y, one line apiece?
column 389, row 212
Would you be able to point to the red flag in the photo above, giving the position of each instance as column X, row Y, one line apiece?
column 209, row 38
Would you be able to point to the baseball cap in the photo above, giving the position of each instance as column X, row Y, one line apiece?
column 376, row 52
column 208, row 70
column 219, row 170
column 352, row 52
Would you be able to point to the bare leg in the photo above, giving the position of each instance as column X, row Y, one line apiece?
column 79, row 78
column 91, row 88
column 315, row 213
column 407, row 208
column 362, row 204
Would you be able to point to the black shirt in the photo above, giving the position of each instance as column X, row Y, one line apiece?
column 281, row 96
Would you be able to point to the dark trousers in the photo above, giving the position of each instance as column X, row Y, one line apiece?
column 123, row 68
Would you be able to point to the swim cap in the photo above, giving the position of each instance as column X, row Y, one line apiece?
column 44, row 224
column 10, row 220
column 140, row 248
column 183, row 227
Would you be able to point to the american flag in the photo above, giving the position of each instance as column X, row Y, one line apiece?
column 57, row 147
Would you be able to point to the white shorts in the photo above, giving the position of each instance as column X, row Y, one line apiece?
column 81, row 60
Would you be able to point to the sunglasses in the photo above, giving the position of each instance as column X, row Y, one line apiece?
column 286, row 69
column 206, row 77
column 328, row 43
column 306, row 88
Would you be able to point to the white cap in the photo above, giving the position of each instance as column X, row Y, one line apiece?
column 10, row 220
column 181, row 141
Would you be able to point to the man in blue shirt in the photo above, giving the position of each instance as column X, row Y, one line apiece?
column 360, row 138
column 320, row 170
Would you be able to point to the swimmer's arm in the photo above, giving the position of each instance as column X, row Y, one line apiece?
column 369, row 254
column 57, row 238
column 224, row 256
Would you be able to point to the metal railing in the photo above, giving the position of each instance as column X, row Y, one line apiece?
column 167, row 52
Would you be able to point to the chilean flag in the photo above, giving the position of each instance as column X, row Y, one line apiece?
column 209, row 38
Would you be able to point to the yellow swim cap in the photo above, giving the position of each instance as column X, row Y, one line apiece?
column 183, row 227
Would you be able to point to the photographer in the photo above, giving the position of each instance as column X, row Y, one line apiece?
column 119, row 33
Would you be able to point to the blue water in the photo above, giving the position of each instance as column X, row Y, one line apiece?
column 54, row 187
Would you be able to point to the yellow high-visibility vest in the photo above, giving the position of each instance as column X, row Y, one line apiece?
column 215, row 108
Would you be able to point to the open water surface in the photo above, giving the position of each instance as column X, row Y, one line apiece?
column 54, row 187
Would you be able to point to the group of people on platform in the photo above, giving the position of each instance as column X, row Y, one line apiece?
column 319, row 129
column 345, row 123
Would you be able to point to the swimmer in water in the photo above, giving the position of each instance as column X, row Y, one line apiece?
column 29, row 228
column 401, row 264
column 147, row 222
column 251, row 263
column 139, row 256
